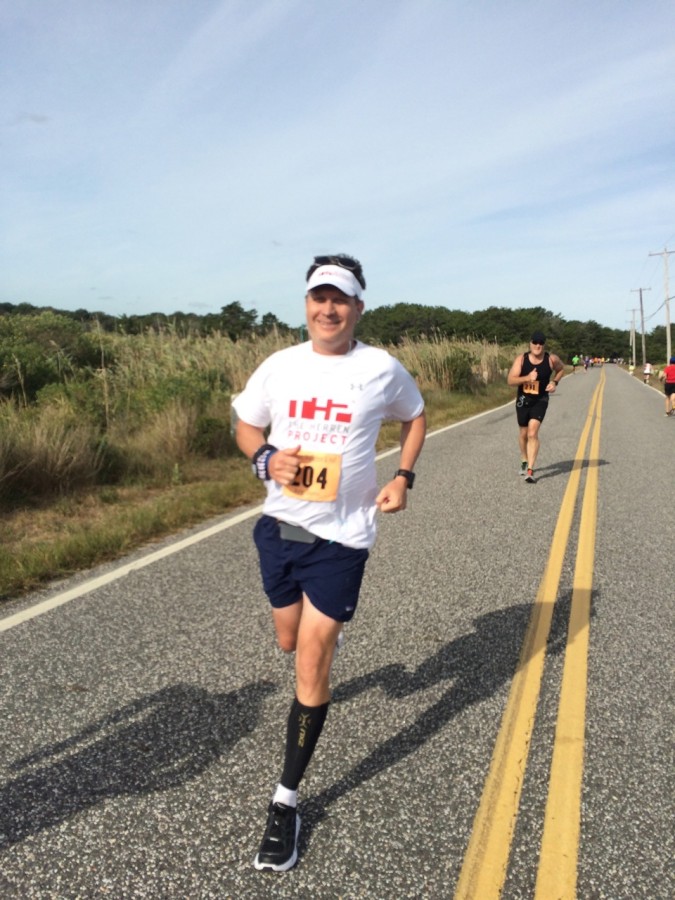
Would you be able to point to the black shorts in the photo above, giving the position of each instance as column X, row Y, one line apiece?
column 669, row 388
column 526, row 410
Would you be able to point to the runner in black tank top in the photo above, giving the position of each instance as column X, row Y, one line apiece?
column 535, row 374
column 544, row 373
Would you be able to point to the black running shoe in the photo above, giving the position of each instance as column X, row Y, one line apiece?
column 278, row 850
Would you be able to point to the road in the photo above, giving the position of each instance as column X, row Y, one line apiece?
column 502, row 716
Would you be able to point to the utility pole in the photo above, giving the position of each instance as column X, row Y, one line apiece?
column 642, row 321
column 665, row 253
column 632, row 337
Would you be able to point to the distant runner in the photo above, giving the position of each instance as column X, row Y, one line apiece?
column 668, row 378
column 536, row 375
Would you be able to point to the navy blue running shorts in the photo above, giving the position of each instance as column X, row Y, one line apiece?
column 329, row 573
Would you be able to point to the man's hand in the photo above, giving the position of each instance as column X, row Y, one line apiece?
column 284, row 465
column 393, row 497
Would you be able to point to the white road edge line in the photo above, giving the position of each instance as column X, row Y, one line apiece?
column 93, row 584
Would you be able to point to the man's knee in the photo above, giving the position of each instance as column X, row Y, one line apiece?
column 286, row 624
column 287, row 642
column 313, row 664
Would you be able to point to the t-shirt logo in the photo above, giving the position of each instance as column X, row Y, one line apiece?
column 310, row 410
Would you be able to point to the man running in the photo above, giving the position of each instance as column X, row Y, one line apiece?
column 324, row 402
column 536, row 374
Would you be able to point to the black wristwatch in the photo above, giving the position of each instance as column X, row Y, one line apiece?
column 408, row 475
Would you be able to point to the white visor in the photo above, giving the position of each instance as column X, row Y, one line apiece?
column 338, row 277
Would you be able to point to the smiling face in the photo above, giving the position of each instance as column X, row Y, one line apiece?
column 331, row 319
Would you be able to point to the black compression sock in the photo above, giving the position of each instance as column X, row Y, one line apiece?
column 304, row 727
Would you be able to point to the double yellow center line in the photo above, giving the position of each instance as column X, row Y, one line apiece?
column 487, row 856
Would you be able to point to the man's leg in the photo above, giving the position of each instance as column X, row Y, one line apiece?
column 286, row 624
column 522, row 442
column 317, row 635
column 532, row 442
column 313, row 635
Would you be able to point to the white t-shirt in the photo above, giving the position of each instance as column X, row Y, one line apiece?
column 331, row 406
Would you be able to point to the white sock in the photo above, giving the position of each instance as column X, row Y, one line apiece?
column 285, row 796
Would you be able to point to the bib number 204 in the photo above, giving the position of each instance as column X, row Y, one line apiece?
column 305, row 477
column 317, row 478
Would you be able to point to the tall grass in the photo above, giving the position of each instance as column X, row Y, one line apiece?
column 160, row 399
column 452, row 365
column 46, row 450
column 165, row 356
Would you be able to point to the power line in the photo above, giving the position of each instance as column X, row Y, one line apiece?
column 652, row 314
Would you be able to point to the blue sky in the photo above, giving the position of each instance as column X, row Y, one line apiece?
column 179, row 155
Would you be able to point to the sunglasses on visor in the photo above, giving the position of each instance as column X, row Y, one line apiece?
column 342, row 261
column 345, row 262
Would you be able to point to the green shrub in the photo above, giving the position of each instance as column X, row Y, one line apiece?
column 212, row 438
column 459, row 364
column 37, row 350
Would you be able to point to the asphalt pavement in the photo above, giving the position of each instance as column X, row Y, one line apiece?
column 144, row 703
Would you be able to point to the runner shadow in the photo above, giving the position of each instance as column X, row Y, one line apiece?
column 476, row 664
column 565, row 466
column 157, row 742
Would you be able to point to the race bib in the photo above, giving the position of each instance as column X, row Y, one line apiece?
column 318, row 478
column 530, row 387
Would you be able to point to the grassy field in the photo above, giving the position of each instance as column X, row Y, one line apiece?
column 57, row 537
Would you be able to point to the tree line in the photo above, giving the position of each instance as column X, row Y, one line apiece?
column 388, row 325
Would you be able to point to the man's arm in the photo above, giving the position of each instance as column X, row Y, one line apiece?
column 392, row 497
column 514, row 378
column 558, row 372
column 249, row 438
column 282, row 465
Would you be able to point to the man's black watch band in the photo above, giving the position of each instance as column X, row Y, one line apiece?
column 408, row 475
